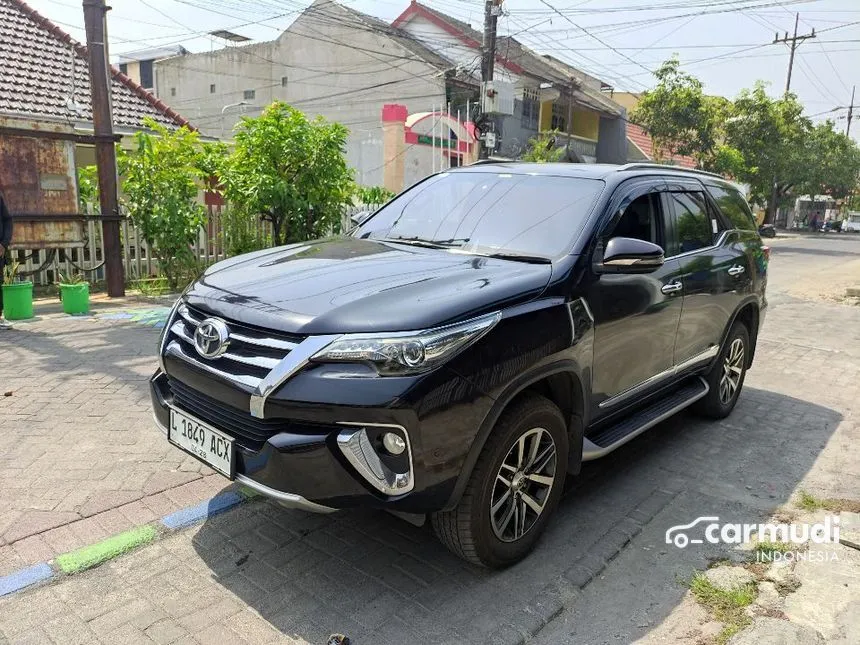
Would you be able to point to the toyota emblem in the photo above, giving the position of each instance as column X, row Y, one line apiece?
column 212, row 338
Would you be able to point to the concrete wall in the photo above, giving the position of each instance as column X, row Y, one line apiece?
column 452, row 48
column 334, row 67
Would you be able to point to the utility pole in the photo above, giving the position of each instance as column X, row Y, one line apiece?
column 795, row 42
column 492, row 10
column 850, row 111
column 95, row 23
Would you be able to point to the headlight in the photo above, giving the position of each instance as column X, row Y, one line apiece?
column 401, row 353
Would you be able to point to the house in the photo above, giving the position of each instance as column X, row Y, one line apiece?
column 332, row 61
column 347, row 66
column 640, row 147
column 139, row 66
column 549, row 93
column 46, row 124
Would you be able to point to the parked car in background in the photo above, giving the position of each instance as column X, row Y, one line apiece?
column 469, row 345
column 851, row 223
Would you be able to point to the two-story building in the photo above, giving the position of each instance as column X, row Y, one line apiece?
column 346, row 66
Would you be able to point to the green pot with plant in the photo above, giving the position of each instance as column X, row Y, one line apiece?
column 75, row 293
column 17, row 294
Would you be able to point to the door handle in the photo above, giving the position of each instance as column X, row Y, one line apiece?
column 736, row 270
column 672, row 287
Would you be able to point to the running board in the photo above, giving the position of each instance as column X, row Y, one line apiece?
column 617, row 435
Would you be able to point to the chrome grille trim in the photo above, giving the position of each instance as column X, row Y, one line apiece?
column 294, row 362
column 265, row 341
column 241, row 351
column 259, row 341
column 174, row 348
column 178, row 329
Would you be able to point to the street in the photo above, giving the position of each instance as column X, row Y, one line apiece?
column 84, row 461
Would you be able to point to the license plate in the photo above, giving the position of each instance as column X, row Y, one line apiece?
column 210, row 446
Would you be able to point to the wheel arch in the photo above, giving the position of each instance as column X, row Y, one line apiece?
column 749, row 313
column 562, row 384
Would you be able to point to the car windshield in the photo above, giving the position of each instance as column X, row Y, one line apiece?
column 489, row 213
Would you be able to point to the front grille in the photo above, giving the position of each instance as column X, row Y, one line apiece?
column 249, row 432
column 251, row 354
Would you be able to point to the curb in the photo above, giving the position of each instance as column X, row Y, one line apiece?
column 93, row 555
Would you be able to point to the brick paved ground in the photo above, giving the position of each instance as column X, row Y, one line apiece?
column 603, row 574
column 81, row 459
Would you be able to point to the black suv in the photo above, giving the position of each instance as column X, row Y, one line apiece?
column 469, row 344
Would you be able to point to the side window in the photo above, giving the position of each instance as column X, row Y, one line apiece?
column 642, row 219
column 733, row 205
column 693, row 226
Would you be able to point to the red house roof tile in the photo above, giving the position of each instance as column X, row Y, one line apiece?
column 44, row 73
column 642, row 141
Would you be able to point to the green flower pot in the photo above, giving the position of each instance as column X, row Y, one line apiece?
column 75, row 297
column 18, row 300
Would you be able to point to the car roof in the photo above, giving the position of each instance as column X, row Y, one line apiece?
column 604, row 171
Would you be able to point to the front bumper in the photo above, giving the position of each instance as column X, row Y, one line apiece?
column 288, row 500
column 303, row 464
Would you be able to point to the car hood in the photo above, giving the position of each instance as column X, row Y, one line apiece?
column 351, row 285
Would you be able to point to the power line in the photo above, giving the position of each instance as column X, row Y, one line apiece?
column 588, row 33
column 795, row 42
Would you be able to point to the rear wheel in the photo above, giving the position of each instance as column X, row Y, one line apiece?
column 727, row 376
column 514, row 488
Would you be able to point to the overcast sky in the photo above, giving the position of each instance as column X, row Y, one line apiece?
column 726, row 43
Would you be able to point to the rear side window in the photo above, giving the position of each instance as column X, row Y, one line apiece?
column 734, row 206
column 693, row 226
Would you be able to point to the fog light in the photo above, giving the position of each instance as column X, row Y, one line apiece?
column 393, row 443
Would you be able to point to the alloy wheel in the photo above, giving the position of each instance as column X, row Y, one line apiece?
column 523, row 484
column 733, row 370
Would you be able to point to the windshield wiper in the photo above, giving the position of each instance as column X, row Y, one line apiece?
column 430, row 244
column 517, row 257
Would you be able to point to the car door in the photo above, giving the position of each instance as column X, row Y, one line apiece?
column 715, row 271
column 635, row 316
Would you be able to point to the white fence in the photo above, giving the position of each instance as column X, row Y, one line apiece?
column 44, row 266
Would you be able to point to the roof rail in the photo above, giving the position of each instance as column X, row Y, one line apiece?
column 639, row 165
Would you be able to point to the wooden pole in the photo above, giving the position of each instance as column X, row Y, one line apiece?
column 95, row 23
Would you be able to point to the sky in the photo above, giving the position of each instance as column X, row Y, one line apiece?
column 728, row 44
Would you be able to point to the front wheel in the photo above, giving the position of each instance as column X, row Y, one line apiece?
column 514, row 488
column 726, row 378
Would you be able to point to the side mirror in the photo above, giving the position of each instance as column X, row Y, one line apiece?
column 629, row 255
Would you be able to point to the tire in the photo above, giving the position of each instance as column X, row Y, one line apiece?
column 469, row 531
column 720, row 400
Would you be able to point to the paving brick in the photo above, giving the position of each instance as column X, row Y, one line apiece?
column 33, row 549
column 107, row 499
column 209, row 614
column 30, row 523
column 165, row 631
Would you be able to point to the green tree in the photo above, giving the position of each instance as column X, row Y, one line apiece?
column 771, row 135
column 544, row 149
column 290, row 171
column 88, row 188
column 161, row 178
column 831, row 161
column 373, row 194
column 681, row 119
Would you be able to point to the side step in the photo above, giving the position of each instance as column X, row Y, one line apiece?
column 617, row 435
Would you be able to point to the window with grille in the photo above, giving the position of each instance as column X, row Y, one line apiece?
column 559, row 117
column 530, row 109
column 250, row 94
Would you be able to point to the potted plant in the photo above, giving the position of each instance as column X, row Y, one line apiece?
column 17, row 294
column 75, row 293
